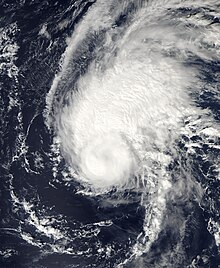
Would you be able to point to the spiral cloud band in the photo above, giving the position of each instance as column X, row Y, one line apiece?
column 124, row 106
column 127, row 105
column 125, row 97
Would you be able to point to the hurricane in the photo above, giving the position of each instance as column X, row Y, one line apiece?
column 120, row 122
column 129, row 105
column 131, row 110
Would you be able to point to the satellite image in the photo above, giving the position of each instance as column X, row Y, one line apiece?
column 110, row 134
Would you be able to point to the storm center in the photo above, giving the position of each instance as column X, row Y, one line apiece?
column 107, row 161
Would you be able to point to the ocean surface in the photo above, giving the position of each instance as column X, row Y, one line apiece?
column 110, row 134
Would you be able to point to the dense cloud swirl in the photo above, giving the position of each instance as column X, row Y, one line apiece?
column 128, row 105
column 121, row 113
